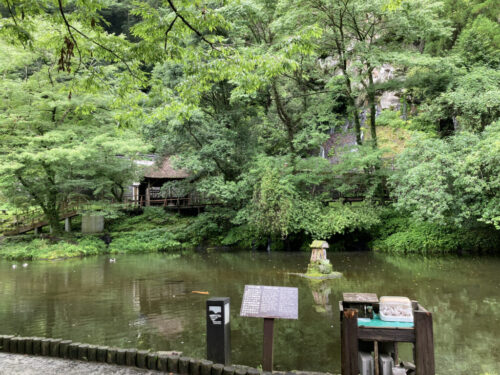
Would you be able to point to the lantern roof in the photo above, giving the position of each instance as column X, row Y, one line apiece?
column 319, row 244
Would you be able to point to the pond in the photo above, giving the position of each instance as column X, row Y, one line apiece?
column 146, row 301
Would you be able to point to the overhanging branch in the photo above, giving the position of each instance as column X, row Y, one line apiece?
column 172, row 6
column 70, row 27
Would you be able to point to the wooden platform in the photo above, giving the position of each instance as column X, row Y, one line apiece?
column 353, row 334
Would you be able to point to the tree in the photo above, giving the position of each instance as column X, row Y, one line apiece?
column 360, row 36
column 480, row 43
column 453, row 98
column 451, row 181
column 55, row 149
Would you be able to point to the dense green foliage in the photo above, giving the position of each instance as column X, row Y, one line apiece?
column 401, row 234
column 244, row 94
column 451, row 181
column 57, row 147
column 152, row 231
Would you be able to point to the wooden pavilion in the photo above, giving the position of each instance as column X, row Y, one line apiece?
column 148, row 191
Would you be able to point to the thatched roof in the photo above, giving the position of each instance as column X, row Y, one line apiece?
column 165, row 170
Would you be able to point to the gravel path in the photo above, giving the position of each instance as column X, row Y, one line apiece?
column 15, row 364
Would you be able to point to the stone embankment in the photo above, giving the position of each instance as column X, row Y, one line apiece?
column 104, row 360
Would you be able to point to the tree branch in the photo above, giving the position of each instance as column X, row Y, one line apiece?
column 9, row 7
column 68, row 27
column 191, row 27
column 71, row 27
column 168, row 30
column 32, row 192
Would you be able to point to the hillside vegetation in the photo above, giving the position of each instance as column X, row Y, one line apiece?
column 275, row 108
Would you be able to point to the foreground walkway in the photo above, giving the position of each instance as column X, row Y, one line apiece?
column 16, row 364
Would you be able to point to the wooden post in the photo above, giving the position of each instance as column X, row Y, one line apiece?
column 67, row 224
column 349, row 342
column 424, row 343
column 267, row 356
column 148, row 192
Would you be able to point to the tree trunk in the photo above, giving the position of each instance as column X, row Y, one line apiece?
column 373, row 109
column 52, row 217
column 118, row 192
column 284, row 117
column 357, row 124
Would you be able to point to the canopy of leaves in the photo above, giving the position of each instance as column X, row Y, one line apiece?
column 453, row 180
column 56, row 149
column 244, row 94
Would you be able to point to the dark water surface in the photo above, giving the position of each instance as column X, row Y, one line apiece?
column 145, row 301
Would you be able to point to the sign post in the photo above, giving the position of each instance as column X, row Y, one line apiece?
column 267, row 355
column 269, row 302
column 218, row 330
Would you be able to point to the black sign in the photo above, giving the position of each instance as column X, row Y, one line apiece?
column 260, row 301
column 218, row 330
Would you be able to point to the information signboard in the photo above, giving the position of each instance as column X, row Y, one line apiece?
column 275, row 302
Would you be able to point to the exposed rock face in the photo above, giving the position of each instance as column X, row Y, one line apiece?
column 384, row 73
column 342, row 139
column 389, row 100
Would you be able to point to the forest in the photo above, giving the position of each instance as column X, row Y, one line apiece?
column 277, row 109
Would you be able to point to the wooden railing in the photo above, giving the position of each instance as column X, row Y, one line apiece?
column 26, row 220
column 192, row 200
column 180, row 202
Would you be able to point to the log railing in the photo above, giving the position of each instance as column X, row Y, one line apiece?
column 26, row 220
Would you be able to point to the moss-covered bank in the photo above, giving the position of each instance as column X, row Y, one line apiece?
column 155, row 230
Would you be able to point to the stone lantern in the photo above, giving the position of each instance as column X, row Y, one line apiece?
column 318, row 250
column 319, row 263
column 319, row 267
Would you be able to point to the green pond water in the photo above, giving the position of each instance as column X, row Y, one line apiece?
column 146, row 301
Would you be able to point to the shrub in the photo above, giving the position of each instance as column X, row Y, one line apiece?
column 47, row 249
column 151, row 218
column 392, row 119
column 152, row 240
column 405, row 235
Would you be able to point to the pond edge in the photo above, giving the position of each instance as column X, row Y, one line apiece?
column 171, row 362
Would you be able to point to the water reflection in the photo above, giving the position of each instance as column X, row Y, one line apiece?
column 321, row 291
column 146, row 301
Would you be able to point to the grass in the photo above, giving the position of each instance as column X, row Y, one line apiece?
column 50, row 249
